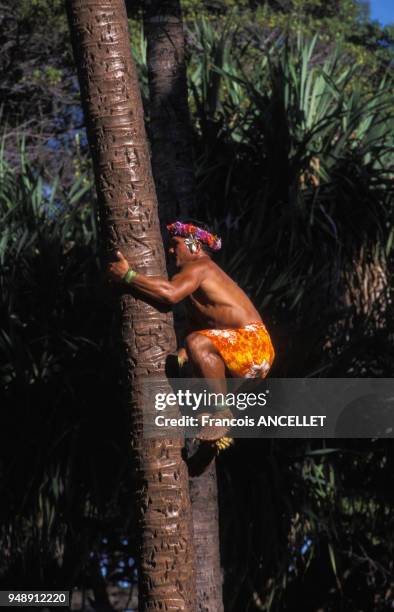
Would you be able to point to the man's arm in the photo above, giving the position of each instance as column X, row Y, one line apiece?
column 169, row 292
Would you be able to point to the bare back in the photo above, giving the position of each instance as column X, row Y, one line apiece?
column 218, row 302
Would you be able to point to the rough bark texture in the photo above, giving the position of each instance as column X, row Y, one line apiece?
column 209, row 580
column 128, row 211
column 172, row 160
column 170, row 131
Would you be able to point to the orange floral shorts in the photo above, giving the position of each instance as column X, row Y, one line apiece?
column 246, row 351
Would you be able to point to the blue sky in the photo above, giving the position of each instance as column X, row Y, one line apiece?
column 383, row 11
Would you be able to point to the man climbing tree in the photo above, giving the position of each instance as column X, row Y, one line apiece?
column 128, row 211
column 229, row 335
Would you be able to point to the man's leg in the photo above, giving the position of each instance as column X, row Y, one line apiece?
column 207, row 363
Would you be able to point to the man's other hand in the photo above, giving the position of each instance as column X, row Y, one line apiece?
column 182, row 357
column 117, row 269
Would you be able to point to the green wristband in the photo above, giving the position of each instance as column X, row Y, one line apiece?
column 129, row 276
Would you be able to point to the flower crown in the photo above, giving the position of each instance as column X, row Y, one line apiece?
column 187, row 229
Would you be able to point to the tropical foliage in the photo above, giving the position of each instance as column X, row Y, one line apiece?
column 295, row 166
column 56, row 406
column 296, row 161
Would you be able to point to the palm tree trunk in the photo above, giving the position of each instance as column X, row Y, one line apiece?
column 204, row 498
column 128, row 211
column 172, row 161
column 170, row 131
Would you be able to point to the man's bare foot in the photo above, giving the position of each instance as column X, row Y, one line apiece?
column 214, row 431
